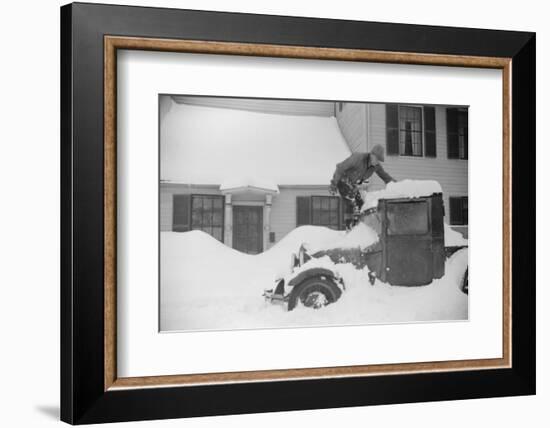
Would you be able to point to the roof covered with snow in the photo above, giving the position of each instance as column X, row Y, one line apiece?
column 222, row 146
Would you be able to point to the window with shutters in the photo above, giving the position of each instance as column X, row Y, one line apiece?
column 457, row 133
column 410, row 130
column 325, row 211
column 459, row 210
column 207, row 214
column 319, row 211
column 199, row 212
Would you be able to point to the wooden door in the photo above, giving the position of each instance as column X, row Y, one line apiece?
column 248, row 229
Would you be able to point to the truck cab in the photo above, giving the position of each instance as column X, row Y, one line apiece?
column 413, row 240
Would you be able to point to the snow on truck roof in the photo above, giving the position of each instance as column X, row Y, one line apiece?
column 401, row 189
column 222, row 146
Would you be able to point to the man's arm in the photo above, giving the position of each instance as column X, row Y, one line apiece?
column 383, row 174
column 341, row 168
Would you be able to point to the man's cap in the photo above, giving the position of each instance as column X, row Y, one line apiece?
column 378, row 151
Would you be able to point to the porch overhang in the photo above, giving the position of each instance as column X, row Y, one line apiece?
column 249, row 187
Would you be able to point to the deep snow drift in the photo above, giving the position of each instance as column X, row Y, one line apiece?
column 206, row 285
column 361, row 236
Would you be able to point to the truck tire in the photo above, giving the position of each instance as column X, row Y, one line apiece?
column 314, row 293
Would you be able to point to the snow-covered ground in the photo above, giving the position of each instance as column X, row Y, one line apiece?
column 206, row 285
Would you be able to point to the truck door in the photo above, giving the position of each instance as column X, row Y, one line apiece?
column 408, row 242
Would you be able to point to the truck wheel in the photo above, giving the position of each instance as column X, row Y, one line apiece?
column 314, row 293
column 464, row 285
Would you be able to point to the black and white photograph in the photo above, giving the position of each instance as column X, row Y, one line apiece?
column 281, row 213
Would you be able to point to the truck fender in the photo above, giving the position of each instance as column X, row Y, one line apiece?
column 313, row 272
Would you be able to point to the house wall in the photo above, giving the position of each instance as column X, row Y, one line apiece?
column 353, row 124
column 452, row 174
column 283, row 210
column 282, row 216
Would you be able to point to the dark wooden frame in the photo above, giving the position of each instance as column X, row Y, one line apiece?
column 90, row 390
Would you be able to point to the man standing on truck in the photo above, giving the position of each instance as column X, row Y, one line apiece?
column 356, row 170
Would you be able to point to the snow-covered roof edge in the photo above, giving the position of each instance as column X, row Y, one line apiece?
column 213, row 146
column 401, row 189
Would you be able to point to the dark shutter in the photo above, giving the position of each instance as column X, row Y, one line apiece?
column 303, row 210
column 181, row 213
column 392, row 129
column 465, row 210
column 429, row 131
column 452, row 133
column 466, row 138
column 456, row 210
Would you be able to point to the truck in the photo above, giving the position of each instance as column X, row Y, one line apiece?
column 410, row 251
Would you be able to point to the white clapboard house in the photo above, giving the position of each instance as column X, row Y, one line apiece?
column 248, row 171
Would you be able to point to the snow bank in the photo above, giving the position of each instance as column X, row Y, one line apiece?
column 188, row 259
column 401, row 189
column 453, row 238
column 361, row 236
column 310, row 236
column 206, row 285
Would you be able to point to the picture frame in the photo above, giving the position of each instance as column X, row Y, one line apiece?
column 91, row 391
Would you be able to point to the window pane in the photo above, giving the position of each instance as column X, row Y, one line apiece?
column 333, row 218
column 325, row 218
column 207, row 203
column 406, row 218
column 207, row 211
column 316, row 202
column 197, row 216
column 325, row 211
column 417, row 144
column 217, row 218
column 207, row 218
column 316, row 217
